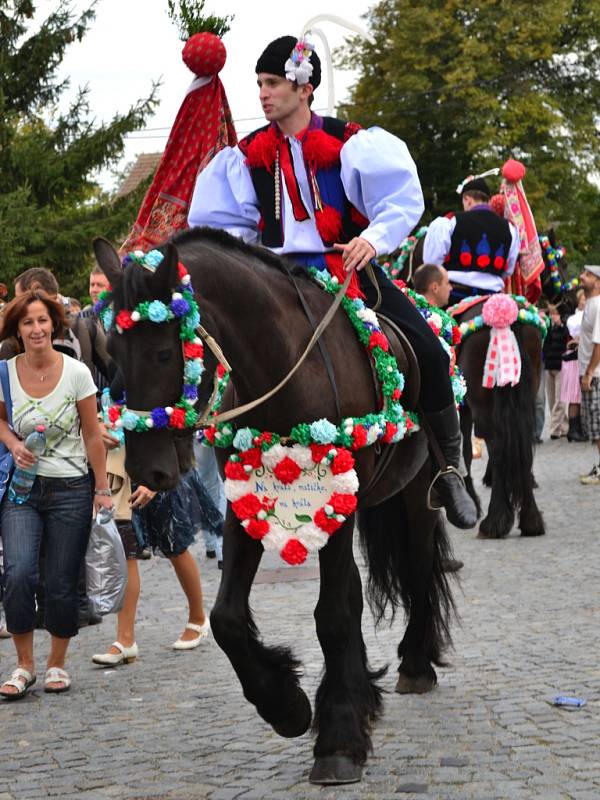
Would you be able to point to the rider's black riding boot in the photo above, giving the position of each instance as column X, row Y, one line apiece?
column 460, row 508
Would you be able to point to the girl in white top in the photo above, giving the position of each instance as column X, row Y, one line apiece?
column 50, row 388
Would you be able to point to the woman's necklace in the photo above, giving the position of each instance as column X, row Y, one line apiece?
column 34, row 371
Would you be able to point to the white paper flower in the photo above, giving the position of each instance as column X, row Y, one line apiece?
column 312, row 537
column 274, row 455
column 236, row 489
column 345, row 483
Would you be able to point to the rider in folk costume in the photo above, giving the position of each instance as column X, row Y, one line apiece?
column 478, row 247
column 327, row 193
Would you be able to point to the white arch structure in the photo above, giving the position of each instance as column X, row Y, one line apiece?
column 344, row 23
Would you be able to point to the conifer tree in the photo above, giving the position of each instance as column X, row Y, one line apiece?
column 50, row 202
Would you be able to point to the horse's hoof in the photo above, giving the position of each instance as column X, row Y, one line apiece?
column 420, row 684
column 331, row 770
column 452, row 564
column 534, row 532
column 298, row 719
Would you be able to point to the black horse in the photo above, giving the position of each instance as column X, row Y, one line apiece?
column 556, row 287
column 252, row 310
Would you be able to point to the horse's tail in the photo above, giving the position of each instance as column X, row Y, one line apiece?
column 405, row 562
column 513, row 426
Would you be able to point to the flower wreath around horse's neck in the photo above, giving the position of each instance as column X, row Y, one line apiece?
column 553, row 256
column 528, row 314
column 183, row 307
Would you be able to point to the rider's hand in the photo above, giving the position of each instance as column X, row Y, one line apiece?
column 141, row 497
column 357, row 253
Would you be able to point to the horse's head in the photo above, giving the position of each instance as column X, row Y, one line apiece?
column 151, row 360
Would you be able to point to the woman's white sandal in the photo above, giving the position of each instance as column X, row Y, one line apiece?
column 57, row 675
column 201, row 630
column 18, row 684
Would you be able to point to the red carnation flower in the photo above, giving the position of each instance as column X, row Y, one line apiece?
column 234, row 470
column 328, row 524
column 114, row 412
column 264, row 438
column 343, row 503
column 396, row 394
column 247, row 506
column 177, row 419
column 257, row 528
column 456, row 335
column 342, row 462
column 252, row 457
column 287, row 471
column 220, row 371
column 359, row 437
column 123, row 319
column 294, row 552
column 409, row 424
column 181, row 271
column 268, row 504
column 377, row 339
column 390, row 431
column 191, row 350
column 209, row 433
column 319, row 452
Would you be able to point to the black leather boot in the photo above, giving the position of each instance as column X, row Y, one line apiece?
column 460, row 508
column 576, row 433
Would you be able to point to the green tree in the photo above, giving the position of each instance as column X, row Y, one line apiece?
column 468, row 85
column 50, row 202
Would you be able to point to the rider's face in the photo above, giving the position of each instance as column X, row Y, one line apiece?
column 280, row 98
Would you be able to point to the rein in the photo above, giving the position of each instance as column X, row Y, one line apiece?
column 232, row 413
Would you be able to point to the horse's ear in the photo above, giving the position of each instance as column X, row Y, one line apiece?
column 166, row 277
column 552, row 237
column 108, row 260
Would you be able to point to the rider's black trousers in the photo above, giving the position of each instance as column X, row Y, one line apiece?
column 436, row 389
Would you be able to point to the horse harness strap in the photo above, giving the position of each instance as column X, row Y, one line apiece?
column 236, row 412
column 321, row 343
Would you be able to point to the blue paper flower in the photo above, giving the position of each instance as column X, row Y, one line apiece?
column 129, row 420
column 153, row 259
column 193, row 370
column 323, row 431
column 180, row 307
column 194, row 319
column 244, row 439
column 160, row 418
column 157, row 311
column 190, row 392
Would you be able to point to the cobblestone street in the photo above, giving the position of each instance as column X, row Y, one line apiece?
column 175, row 725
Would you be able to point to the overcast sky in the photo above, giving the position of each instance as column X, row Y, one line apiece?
column 133, row 42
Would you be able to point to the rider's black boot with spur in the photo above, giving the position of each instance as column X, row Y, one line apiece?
column 460, row 508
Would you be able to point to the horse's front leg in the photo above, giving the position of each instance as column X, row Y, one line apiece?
column 348, row 700
column 269, row 675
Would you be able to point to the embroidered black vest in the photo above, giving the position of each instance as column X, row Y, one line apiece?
column 480, row 243
column 337, row 220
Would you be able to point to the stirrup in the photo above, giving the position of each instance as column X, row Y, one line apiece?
column 448, row 470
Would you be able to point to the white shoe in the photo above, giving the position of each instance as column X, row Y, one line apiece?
column 202, row 630
column 125, row 655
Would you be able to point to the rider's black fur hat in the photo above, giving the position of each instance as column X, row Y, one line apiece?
column 277, row 53
column 477, row 185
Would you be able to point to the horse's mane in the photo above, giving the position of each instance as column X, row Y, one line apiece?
column 225, row 241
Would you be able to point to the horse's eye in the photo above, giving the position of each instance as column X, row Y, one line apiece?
column 163, row 355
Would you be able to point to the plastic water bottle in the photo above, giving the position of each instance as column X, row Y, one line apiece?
column 23, row 477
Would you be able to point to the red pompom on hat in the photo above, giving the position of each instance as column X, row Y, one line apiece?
column 204, row 54
column 513, row 171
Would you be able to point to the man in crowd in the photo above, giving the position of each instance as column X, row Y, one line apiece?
column 326, row 193
column 433, row 283
column 478, row 248
column 589, row 365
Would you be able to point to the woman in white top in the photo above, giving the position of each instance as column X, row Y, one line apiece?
column 58, row 392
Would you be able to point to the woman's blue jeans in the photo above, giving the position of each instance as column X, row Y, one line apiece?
column 58, row 513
